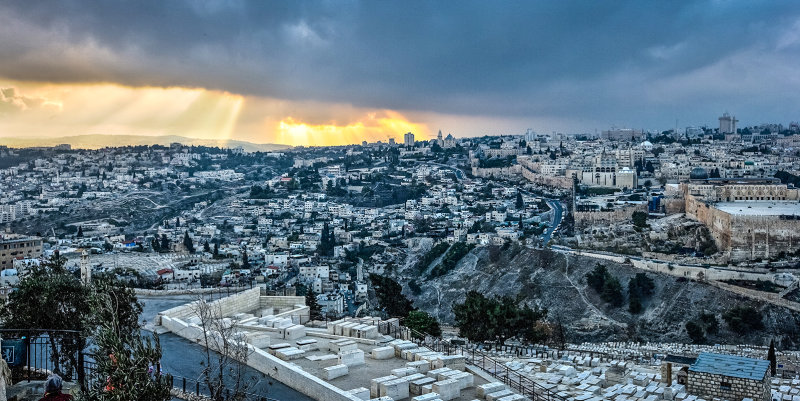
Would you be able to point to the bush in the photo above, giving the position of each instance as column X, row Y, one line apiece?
column 596, row 278
column 710, row 322
column 743, row 319
column 496, row 319
column 639, row 288
column 431, row 255
column 390, row 296
column 606, row 285
column 414, row 287
column 639, row 219
column 451, row 258
column 695, row 332
column 612, row 292
column 422, row 322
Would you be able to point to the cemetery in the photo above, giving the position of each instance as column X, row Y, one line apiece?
column 352, row 359
column 349, row 359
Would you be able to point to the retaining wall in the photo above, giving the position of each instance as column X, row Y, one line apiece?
column 245, row 301
column 188, row 291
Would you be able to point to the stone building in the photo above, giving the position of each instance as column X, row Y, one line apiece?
column 729, row 377
column 748, row 218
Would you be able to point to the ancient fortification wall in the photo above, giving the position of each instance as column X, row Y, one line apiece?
column 746, row 237
column 613, row 216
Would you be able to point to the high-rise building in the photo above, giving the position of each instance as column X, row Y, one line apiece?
column 408, row 139
column 727, row 124
column 18, row 247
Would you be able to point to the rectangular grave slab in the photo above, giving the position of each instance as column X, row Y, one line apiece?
column 397, row 389
column 489, row 388
column 294, row 332
column 464, row 379
column 274, row 347
column 426, row 397
column 332, row 372
column 402, row 372
column 415, row 387
column 374, row 390
column 498, row 395
column 419, row 366
column 347, row 345
column 513, row 397
column 382, row 353
column 360, row 393
column 436, row 372
column 289, row 354
column 352, row 358
column 447, row 389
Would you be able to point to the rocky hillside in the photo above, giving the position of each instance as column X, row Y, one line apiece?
column 558, row 283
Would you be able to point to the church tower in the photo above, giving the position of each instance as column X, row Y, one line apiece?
column 86, row 269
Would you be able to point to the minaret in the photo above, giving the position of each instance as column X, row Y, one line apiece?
column 86, row 270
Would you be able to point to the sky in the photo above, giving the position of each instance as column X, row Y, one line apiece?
column 338, row 72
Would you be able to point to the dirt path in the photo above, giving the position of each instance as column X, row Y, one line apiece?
column 586, row 301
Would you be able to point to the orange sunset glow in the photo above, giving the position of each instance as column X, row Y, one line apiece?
column 48, row 110
column 374, row 127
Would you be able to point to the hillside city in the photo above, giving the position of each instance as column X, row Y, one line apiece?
column 590, row 266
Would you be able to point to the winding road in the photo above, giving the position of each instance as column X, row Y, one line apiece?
column 558, row 215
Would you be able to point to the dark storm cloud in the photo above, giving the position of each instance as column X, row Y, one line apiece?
column 591, row 60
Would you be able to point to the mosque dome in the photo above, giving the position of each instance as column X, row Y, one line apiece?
column 698, row 173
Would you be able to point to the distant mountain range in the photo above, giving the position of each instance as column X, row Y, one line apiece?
column 103, row 141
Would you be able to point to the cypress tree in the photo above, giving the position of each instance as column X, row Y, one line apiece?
column 773, row 359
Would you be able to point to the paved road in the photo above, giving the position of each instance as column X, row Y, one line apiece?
column 457, row 171
column 558, row 214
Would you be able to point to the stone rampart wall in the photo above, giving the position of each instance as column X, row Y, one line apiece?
column 550, row 181
column 613, row 216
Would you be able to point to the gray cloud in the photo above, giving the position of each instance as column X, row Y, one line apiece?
column 640, row 63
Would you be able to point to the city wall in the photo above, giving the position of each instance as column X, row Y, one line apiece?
column 583, row 219
column 511, row 171
column 746, row 237
column 550, row 181
column 711, row 276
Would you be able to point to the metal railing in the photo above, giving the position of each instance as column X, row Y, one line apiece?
column 185, row 385
column 40, row 349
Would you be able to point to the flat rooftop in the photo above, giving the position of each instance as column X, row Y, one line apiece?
column 731, row 366
column 751, row 208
